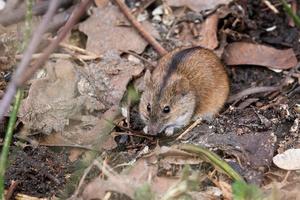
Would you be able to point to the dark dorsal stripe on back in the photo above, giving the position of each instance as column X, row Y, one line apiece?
column 177, row 58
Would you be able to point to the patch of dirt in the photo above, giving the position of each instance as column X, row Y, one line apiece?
column 244, row 77
column 39, row 171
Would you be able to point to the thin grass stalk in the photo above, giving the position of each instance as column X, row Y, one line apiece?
column 287, row 8
column 7, row 140
column 18, row 98
column 214, row 159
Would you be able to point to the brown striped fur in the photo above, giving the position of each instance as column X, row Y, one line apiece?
column 193, row 82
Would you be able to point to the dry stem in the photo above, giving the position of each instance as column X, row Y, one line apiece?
column 140, row 28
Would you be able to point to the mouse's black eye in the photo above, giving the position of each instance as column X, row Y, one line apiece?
column 148, row 107
column 166, row 109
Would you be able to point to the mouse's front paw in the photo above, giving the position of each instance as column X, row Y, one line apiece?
column 169, row 131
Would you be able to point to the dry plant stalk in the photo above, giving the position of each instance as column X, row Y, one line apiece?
column 140, row 28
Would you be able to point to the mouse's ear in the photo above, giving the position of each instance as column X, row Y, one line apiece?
column 147, row 78
column 182, row 87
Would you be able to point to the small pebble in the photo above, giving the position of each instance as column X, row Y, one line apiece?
column 134, row 59
column 158, row 11
column 271, row 28
column 156, row 18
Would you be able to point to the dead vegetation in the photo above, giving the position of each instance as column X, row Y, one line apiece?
column 83, row 103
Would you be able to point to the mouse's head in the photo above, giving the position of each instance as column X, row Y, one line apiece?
column 165, row 107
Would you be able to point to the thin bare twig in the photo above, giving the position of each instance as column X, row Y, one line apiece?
column 107, row 196
column 151, row 65
column 11, row 189
column 62, row 56
column 77, row 13
column 85, row 173
column 59, row 19
column 271, row 6
column 140, row 28
column 75, row 48
column 69, row 145
column 122, row 185
column 191, row 127
column 250, row 91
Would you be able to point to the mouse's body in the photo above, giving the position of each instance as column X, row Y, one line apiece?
column 186, row 84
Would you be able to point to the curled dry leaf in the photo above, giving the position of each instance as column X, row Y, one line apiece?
column 73, row 100
column 243, row 53
column 105, row 32
column 208, row 33
column 288, row 160
column 52, row 100
column 197, row 5
column 200, row 34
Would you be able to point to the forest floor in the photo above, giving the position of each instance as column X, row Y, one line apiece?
column 68, row 105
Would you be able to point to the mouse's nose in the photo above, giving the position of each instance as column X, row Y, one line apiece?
column 153, row 129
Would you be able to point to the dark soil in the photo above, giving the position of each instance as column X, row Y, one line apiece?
column 254, row 24
column 38, row 171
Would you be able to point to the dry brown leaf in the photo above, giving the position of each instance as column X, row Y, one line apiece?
column 243, row 53
column 105, row 32
column 78, row 102
column 208, row 32
column 97, row 188
column 110, row 143
column 101, row 3
column 74, row 154
column 226, row 190
column 197, row 5
column 253, row 150
column 204, row 34
column 256, row 148
column 52, row 99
